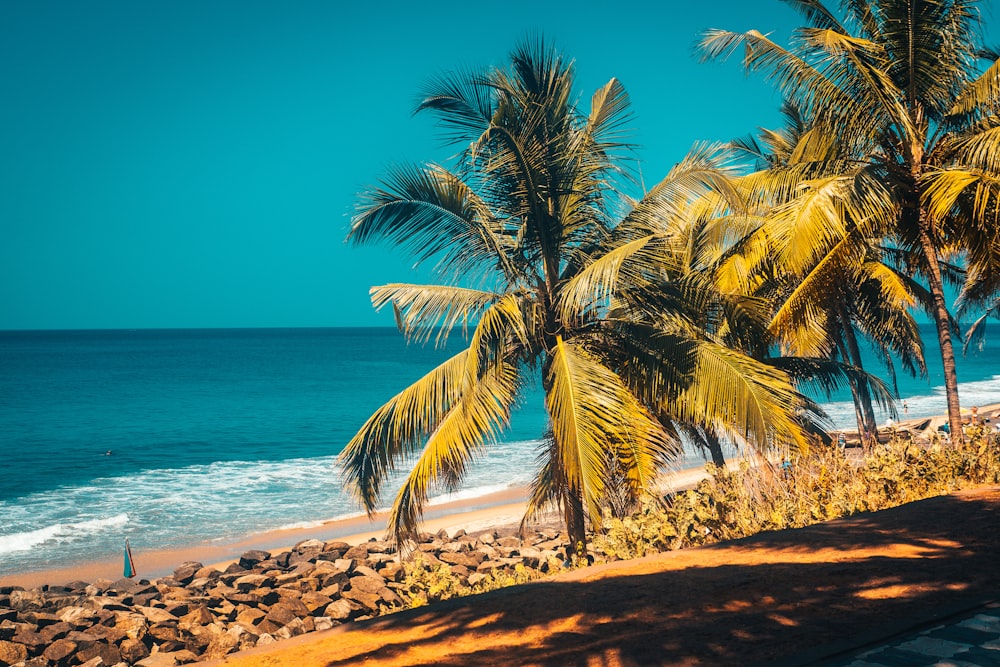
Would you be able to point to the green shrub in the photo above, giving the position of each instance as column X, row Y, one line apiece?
column 735, row 503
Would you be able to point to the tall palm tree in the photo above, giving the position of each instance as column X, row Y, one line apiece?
column 540, row 268
column 845, row 289
column 899, row 84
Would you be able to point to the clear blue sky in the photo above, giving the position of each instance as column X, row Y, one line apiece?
column 194, row 164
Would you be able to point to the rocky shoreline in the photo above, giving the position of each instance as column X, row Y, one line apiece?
column 203, row 613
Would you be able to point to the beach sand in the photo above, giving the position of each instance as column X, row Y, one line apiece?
column 495, row 510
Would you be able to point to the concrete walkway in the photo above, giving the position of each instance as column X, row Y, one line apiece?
column 969, row 638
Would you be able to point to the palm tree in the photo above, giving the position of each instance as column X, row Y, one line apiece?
column 827, row 300
column 897, row 83
column 544, row 275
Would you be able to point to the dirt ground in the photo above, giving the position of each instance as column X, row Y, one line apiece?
column 785, row 597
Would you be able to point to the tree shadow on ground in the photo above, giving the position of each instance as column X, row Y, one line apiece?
column 754, row 601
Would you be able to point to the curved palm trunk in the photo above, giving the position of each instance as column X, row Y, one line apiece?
column 941, row 321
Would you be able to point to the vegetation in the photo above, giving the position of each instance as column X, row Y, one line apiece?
column 822, row 486
column 633, row 341
column 896, row 86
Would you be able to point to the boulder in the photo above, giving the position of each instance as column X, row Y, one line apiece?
column 7, row 615
column 133, row 624
column 133, row 650
column 12, row 653
column 55, row 631
column 78, row 617
column 158, row 660
column 357, row 553
column 339, row 610
column 156, row 615
column 108, row 653
column 187, row 571
column 316, row 603
column 252, row 557
column 196, row 617
column 35, row 642
column 249, row 582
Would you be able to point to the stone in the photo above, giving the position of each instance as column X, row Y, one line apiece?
column 316, row 603
column 324, row 623
column 368, row 600
column 96, row 661
column 392, row 571
column 78, row 617
column 133, row 624
column 198, row 616
column 158, row 660
column 187, row 571
column 221, row 645
column 40, row 618
column 27, row 600
column 156, row 615
column 249, row 618
column 251, row 581
column 55, row 631
column 8, row 615
column 366, row 571
column 33, row 641
column 133, row 650
column 367, row 583
column 339, row 610
column 108, row 653
column 12, row 653
column 252, row 557
column 209, row 573
column 358, row 553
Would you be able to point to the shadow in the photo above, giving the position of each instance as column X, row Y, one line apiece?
column 759, row 600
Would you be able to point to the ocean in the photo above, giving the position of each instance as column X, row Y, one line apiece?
column 178, row 438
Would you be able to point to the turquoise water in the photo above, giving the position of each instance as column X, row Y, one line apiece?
column 218, row 434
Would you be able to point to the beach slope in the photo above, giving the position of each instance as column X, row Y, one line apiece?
column 759, row 600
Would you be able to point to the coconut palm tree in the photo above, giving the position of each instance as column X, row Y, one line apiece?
column 544, row 274
column 897, row 83
column 829, row 299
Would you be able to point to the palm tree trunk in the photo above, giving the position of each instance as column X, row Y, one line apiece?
column 576, row 527
column 941, row 320
column 715, row 447
column 864, row 397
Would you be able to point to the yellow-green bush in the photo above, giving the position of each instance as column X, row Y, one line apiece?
column 824, row 485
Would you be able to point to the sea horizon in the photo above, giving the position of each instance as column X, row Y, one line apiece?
column 216, row 434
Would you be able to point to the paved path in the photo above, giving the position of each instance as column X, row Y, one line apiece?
column 968, row 639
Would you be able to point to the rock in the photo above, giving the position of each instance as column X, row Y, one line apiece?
column 156, row 615
column 78, row 617
column 368, row 584
column 249, row 618
column 368, row 600
column 33, row 641
column 83, row 639
column 27, row 600
column 133, row 624
column 252, row 557
column 221, row 645
column 198, row 616
column 249, row 582
column 392, row 571
column 59, row 651
column 158, row 660
column 7, row 615
column 55, row 631
column 96, row 661
column 187, row 571
column 366, row 571
column 108, row 653
column 40, row 618
column 476, row 577
column 265, row 639
column 316, row 603
column 133, row 650
column 12, row 653
column 209, row 573
column 339, row 610
column 358, row 553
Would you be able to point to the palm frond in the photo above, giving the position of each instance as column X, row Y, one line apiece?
column 423, row 311
column 479, row 415
column 593, row 414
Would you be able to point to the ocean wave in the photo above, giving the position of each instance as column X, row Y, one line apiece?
column 59, row 532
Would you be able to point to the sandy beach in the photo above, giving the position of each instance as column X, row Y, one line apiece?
column 503, row 508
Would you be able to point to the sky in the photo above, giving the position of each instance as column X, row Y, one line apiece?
column 195, row 164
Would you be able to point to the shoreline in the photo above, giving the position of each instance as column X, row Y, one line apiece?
column 490, row 511
column 486, row 512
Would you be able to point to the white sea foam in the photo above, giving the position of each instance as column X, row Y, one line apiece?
column 59, row 532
